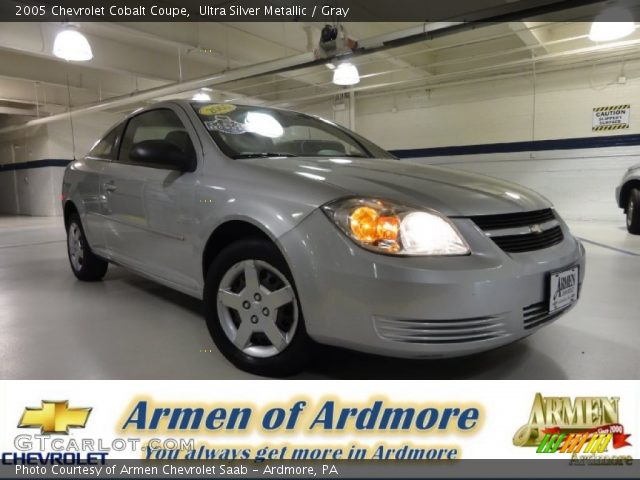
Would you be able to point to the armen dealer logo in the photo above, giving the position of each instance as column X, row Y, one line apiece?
column 587, row 425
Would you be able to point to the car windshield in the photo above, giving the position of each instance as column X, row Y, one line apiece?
column 250, row 132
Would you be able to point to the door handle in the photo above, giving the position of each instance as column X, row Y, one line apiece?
column 109, row 187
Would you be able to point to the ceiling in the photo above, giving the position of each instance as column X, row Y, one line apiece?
column 130, row 57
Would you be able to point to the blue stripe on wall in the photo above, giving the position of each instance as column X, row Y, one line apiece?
column 511, row 147
column 47, row 162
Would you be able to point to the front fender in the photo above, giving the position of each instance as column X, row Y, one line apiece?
column 274, row 216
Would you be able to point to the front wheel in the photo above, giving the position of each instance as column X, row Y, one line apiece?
column 84, row 263
column 253, row 312
column 633, row 212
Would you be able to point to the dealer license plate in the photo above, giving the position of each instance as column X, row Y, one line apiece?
column 563, row 289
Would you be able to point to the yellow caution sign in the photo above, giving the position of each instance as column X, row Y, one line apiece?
column 612, row 117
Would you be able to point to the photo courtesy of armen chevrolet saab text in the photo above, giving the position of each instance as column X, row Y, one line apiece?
column 294, row 230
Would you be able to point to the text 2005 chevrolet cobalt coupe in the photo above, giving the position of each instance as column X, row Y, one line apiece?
column 293, row 229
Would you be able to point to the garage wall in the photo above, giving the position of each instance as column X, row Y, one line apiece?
column 32, row 163
column 87, row 129
column 554, row 106
column 580, row 182
column 24, row 190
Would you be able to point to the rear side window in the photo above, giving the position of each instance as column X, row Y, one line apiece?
column 108, row 146
column 161, row 124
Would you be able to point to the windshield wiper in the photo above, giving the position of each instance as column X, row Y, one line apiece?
column 263, row 155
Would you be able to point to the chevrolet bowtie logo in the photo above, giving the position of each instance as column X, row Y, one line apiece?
column 536, row 229
column 54, row 417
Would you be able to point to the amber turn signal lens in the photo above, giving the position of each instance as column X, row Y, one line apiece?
column 363, row 222
column 369, row 227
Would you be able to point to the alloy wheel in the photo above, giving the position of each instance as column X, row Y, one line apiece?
column 630, row 209
column 257, row 308
column 76, row 250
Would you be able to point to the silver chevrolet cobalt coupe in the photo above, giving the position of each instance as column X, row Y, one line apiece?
column 293, row 229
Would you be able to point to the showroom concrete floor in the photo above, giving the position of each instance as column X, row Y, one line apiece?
column 54, row 327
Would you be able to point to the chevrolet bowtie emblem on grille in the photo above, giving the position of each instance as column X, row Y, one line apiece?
column 54, row 417
column 535, row 228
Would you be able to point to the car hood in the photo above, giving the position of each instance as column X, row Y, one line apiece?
column 451, row 192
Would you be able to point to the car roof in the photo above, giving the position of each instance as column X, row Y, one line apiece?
column 187, row 103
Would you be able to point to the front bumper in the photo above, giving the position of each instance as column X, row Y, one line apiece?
column 420, row 307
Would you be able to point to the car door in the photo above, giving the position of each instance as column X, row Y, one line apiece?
column 94, row 202
column 150, row 206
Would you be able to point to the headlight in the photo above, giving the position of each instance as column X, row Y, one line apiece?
column 385, row 227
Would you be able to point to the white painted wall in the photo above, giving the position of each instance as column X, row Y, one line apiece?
column 500, row 111
column 27, row 192
column 36, row 191
column 87, row 130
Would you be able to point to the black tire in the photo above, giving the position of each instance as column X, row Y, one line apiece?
column 295, row 355
column 633, row 212
column 88, row 267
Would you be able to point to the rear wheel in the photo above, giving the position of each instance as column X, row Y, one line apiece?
column 253, row 312
column 633, row 212
column 84, row 263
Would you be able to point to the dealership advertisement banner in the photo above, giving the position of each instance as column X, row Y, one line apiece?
column 260, row 429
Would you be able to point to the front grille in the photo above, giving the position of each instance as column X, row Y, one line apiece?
column 530, row 241
column 513, row 220
column 440, row 331
column 537, row 314
column 526, row 241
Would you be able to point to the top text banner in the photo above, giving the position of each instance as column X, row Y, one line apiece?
column 327, row 11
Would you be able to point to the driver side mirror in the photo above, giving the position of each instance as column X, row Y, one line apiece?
column 162, row 154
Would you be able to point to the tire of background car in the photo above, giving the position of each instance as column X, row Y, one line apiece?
column 85, row 265
column 253, row 312
column 633, row 212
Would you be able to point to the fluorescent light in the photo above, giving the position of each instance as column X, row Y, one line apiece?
column 346, row 74
column 71, row 45
column 201, row 96
column 609, row 25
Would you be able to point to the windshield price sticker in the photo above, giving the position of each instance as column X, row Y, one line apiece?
column 216, row 109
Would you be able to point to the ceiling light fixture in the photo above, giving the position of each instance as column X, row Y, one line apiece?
column 71, row 45
column 613, row 23
column 346, row 74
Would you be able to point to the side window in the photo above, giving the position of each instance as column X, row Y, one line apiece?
column 106, row 147
column 161, row 124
